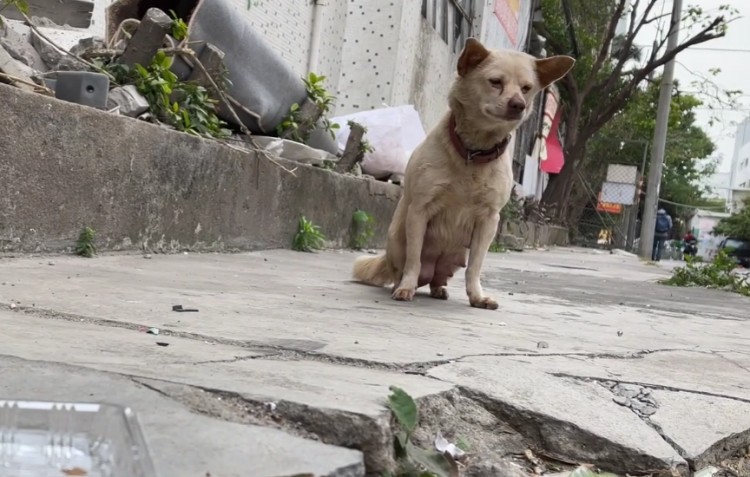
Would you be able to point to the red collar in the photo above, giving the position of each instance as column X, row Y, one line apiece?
column 471, row 155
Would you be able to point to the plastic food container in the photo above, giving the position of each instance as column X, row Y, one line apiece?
column 56, row 439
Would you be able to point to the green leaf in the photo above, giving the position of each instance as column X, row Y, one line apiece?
column 404, row 408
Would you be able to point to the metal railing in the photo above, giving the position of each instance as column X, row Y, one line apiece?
column 453, row 20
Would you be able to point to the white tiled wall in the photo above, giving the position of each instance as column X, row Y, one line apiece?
column 285, row 24
column 369, row 56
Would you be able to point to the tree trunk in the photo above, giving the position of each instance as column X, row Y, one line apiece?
column 557, row 194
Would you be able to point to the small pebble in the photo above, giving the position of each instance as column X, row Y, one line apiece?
column 621, row 400
column 51, row 264
column 620, row 333
column 148, row 256
column 542, row 344
column 271, row 406
column 161, row 343
column 440, row 354
column 502, row 323
column 12, row 306
column 153, row 331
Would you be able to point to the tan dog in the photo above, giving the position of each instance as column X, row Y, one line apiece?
column 460, row 177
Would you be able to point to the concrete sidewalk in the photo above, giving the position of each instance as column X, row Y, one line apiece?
column 286, row 366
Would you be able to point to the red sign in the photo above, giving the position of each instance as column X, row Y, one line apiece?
column 608, row 207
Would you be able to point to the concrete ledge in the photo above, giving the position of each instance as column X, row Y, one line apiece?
column 65, row 166
column 537, row 235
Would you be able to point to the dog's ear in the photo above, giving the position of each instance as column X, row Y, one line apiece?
column 472, row 55
column 551, row 69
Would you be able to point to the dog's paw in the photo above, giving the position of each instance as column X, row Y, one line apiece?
column 441, row 293
column 403, row 294
column 486, row 303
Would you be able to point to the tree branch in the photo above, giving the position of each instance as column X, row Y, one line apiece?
column 609, row 35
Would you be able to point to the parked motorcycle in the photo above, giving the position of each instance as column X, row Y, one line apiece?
column 691, row 248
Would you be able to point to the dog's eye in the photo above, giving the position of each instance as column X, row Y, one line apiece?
column 496, row 82
column 526, row 89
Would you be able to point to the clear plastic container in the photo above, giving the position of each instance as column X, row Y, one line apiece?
column 56, row 439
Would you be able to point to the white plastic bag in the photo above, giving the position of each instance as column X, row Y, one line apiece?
column 393, row 132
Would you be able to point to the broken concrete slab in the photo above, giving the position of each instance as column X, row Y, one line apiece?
column 182, row 442
column 148, row 38
column 568, row 418
column 74, row 13
column 15, row 40
column 147, row 187
column 342, row 405
column 707, row 429
column 50, row 55
column 16, row 72
column 346, row 319
column 119, row 350
column 675, row 369
column 130, row 102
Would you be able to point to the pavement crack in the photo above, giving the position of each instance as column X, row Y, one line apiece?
column 660, row 387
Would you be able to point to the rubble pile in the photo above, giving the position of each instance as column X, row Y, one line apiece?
column 189, row 74
column 150, row 69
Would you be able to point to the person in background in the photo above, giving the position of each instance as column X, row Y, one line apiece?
column 661, row 233
column 691, row 245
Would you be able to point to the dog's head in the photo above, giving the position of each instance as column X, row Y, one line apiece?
column 500, row 85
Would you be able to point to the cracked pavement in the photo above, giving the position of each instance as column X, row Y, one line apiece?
column 587, row 360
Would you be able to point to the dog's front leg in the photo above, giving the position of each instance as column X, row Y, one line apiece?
column 416, row 225
column 484, row 232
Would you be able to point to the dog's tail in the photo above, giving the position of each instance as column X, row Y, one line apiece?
column 373, row 270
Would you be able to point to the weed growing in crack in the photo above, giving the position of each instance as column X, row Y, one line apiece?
column 413, row 461
column 497, row 247
column 85, row 245
column 309, row 237
column 364, row 229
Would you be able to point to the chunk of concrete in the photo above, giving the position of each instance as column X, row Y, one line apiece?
column 16, row 71
column 83, row 87
column 576, row 419
column 707, row 428
column 75, row 13
column 182, row 442
column 48, row 53
column 16, row 43
column 148, row 38
column 131, row 102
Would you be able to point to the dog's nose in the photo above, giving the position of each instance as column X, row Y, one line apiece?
column 516, row 104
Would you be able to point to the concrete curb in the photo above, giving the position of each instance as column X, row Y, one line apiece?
column 140, row 186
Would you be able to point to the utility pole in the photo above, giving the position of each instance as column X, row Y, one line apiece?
column 651, row 203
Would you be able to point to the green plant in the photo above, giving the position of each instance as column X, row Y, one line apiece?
column 299, row 127
column 20, row 5
column 185, row 106
column 717, row 274
column 497, row 247
column 513, row 210
column 364, row 229
column 414, row 461
column 85, row 244
column 365, row 147
column 736, row 225
column 309, row 237
column 179, row 29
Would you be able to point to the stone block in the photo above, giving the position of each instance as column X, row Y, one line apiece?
column 130, row 101
column 88, row 89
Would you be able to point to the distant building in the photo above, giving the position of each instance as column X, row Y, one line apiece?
column 719, row 184
column 740, row 173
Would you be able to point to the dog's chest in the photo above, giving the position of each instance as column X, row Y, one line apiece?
column 481, row 187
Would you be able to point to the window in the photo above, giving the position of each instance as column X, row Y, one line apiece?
column 451, row 19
